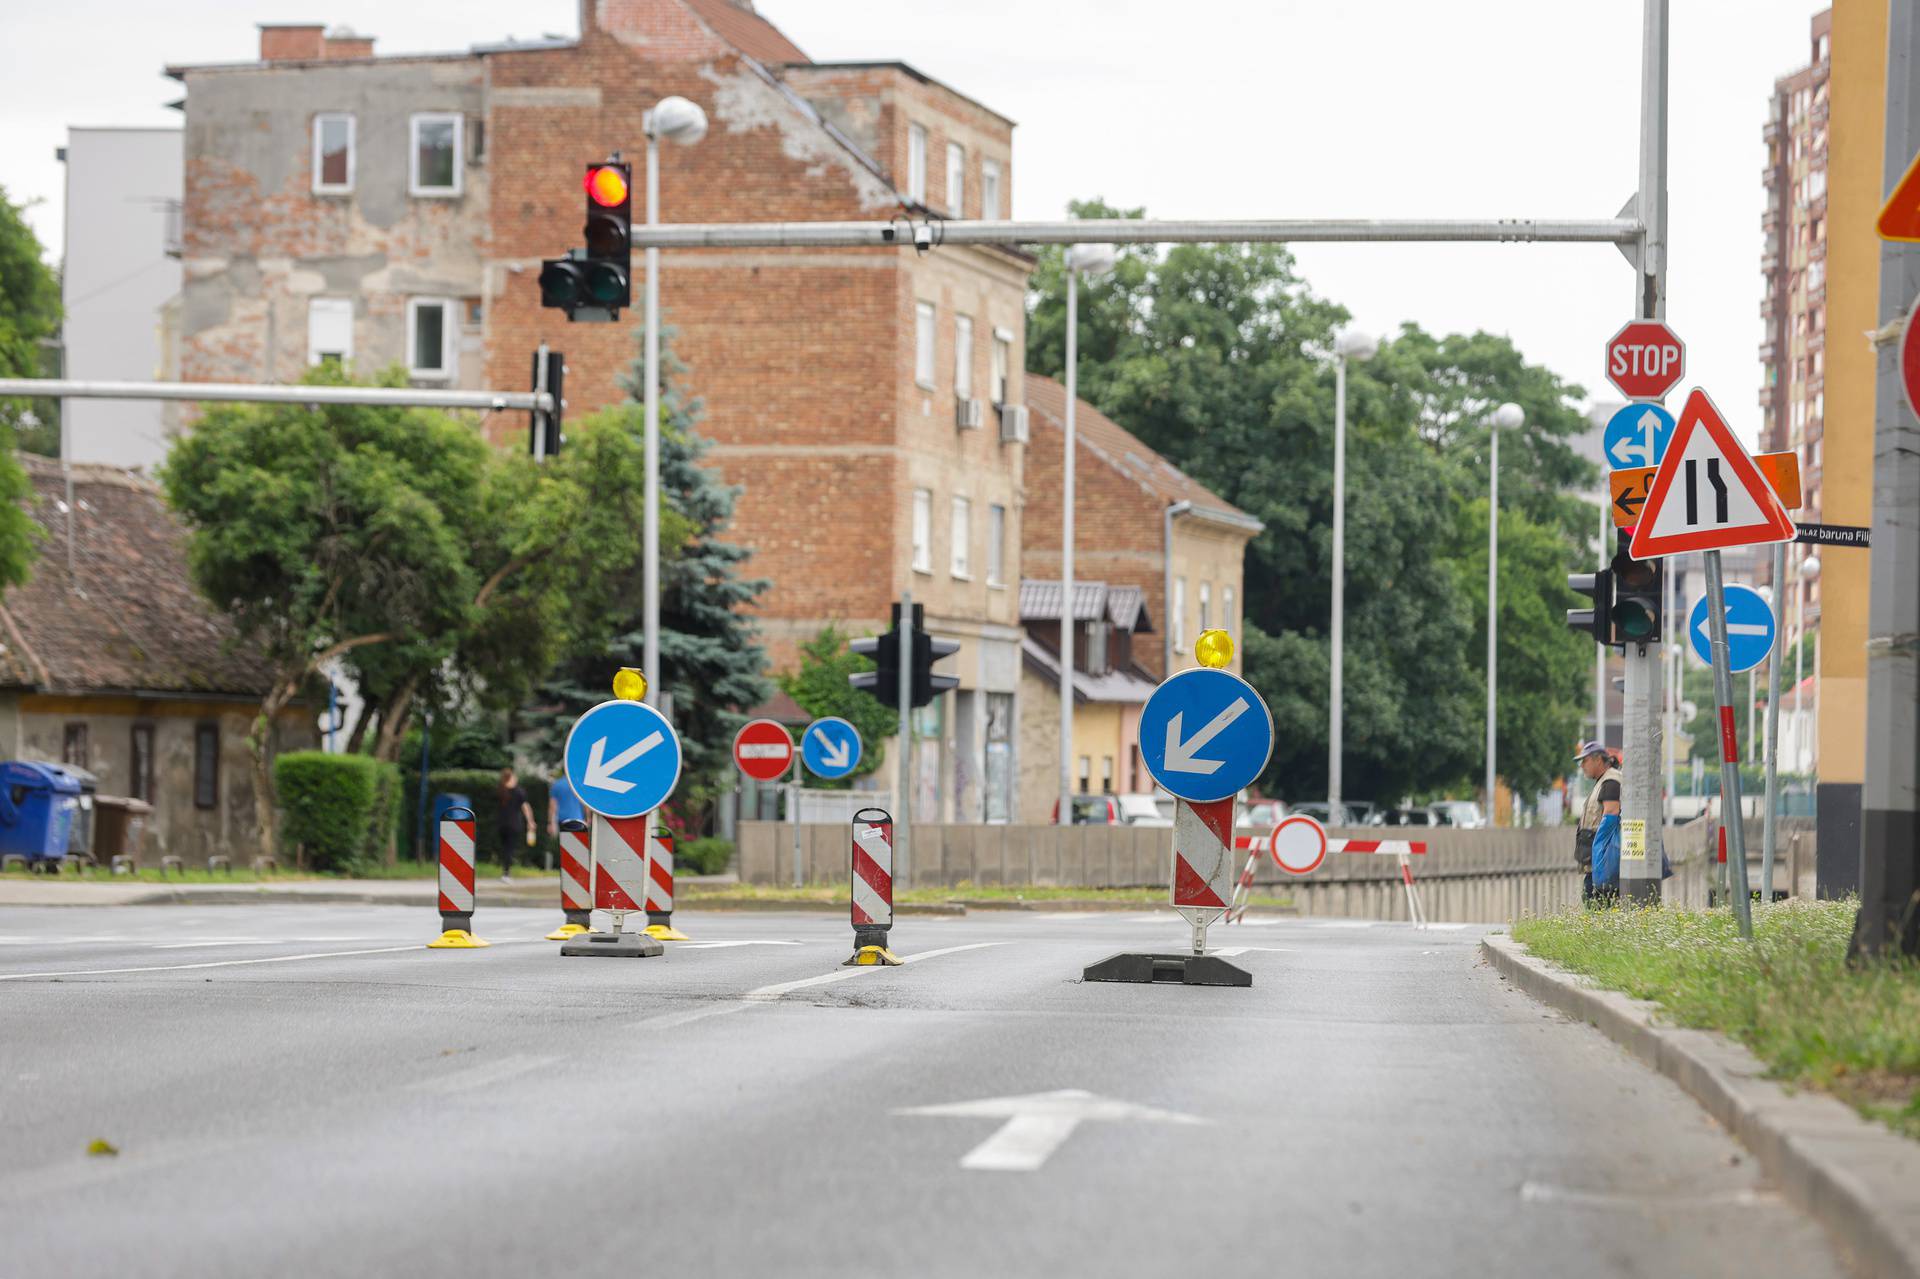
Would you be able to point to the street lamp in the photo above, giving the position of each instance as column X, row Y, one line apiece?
column 1093, row 259
column 684, row 122
column 1807, row 574
column 1507, row 417
column 1349, row 345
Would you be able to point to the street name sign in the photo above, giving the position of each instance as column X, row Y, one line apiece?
column 1629, row 488
column 831, row 748
column 1833, row 535
column 1900, row 215
column 1299, row 844
column 1646, row 359
column 1205, row 734
column 1750, row 629
column 1707, row 494
column 762, row 749
column 1637, row 435
column 623, row 758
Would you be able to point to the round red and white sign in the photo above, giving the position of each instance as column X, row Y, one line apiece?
column 1299, row 844
column 762, row 749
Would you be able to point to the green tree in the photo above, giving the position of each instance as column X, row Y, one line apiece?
column 819, row 687
column 29, row 316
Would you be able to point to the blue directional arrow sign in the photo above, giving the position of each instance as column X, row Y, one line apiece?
column 1750, row 629
column 1205, row 734
column 623, row 759
column 1637, row 435
column 830, row 747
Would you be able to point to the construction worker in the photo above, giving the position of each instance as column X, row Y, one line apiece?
column 1596, row 844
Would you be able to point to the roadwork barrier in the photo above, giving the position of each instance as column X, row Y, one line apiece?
column 456, row 882
column 660, row 850
column 870, row 886
column 576, row 879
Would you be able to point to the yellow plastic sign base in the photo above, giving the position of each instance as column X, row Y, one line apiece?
column 666, row 932
column 565, row 931
column 868, row 956
column 457, row 939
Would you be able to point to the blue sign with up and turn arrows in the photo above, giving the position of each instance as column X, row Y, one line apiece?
column 831, row 748
column 1637, row 436
column 623, row 759
column 1205, row 734
column 1750, row 629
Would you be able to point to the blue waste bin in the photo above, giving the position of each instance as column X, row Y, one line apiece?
column 37, row 802
column 441, row 803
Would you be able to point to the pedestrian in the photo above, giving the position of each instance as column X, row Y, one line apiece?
column 512, row 820
column 1596, row 843
column 563, row 805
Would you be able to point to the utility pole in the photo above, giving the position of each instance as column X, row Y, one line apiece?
column 1889, row 918
column 903, row 807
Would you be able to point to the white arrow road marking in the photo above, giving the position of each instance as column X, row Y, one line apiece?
column 1039, row 1124
column 836, row 753
column 1733, row 627
column 601, row 770
column 1180, row 753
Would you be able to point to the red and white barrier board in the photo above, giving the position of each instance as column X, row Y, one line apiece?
column 619, row 863
column 576, row 891
column 660, row 874
column 456, row 869
column 1202, row 856
column 872, row 876
column 1397, row 847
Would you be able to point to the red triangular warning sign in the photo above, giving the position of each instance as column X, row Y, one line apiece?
column 1707, row 494
column 1900, row 216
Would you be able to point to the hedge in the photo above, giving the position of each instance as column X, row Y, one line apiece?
column 710, row 855
column 482, row 787
column 339, row 808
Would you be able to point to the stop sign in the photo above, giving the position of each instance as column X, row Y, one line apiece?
column 1910, row 358
column 762, row 749
column 1645, row 360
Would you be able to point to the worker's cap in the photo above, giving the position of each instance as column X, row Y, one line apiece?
column 1588, row 748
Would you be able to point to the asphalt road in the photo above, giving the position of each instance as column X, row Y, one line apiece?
column 304, row 1090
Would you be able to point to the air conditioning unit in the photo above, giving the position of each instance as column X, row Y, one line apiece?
column 1013, row 424
column 968, row 414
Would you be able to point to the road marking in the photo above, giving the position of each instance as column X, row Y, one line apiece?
column 1231, row 951
column 1039, row 1124
column 843, row 974
column 482, row 1074
column 1542, row 1192
column 723, row 945
column 687, row 1016
column 214, row 963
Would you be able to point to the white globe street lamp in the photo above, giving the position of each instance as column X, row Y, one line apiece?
column 1349, row 345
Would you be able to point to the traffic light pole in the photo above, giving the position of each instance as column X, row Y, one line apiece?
column 903, row 806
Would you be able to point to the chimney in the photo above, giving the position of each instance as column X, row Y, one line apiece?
column 292, row 41
column 343, row 42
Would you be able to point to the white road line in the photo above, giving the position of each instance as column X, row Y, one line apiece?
column 482, row 1074
column 687, row 1016
column 842, row 974
column 724, row 945
column 1231, row 951
column 1542, row 1192
column 216, row 963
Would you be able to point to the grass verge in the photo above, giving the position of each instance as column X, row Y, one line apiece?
column 1789, row 995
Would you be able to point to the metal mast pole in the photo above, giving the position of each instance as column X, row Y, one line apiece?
column 1770, row 829
column 650, row 553
column 1732, row 818
column 903, row 825
column 1066, row 553
column 1337, row 632
column 1493, row 606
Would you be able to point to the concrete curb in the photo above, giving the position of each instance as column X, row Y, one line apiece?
column 1859, row 1180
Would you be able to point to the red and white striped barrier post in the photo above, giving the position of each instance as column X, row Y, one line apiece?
column 1202, row 863
column 1243, row 890
column 456, row 882
column 576, row 881
column 871, row 862
column 1401, row 848
column 660, row 850
column 619, row 888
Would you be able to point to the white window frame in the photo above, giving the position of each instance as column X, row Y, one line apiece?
column 333, row 307
column 960, row 534
column 917, row 162
column 459, row 155
column 963, row 356
column 449, row 323
column 1206, row 606
column 1002, row 373
column 1226, row 609
column 956, row 180
column 997, row 546
column 924, row 355
column 923, row 530
column 1179, row 611
column 990, row 191
column 320, row 121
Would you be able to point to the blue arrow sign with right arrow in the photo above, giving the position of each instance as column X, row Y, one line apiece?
column 830, row 747
column 1205, row 734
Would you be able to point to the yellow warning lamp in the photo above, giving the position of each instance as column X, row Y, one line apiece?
column 1214, row 649
column 629, row 684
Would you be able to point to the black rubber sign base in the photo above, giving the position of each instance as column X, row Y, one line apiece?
column 614, row 946
column 1189, row 970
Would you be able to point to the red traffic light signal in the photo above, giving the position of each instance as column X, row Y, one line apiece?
column 607, row 185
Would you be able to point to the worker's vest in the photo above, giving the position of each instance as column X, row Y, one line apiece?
column 1591, row 814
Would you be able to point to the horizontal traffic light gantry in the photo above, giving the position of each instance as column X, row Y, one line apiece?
column 596, row 283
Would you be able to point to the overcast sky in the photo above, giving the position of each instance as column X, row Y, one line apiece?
column 1204, row 108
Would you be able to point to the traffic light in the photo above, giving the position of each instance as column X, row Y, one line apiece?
column 926, row 651
column 1637, row 588
column 884, row 680
column 1594, row 621
column 544, row 433
column 609, row 234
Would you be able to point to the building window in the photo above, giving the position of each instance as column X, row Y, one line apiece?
column 1106, row 774
column 961, row 528
column 1226, row 608
column 923, row 344
column 430, row 338
column 329, row 330
column 1206, row 605
column 922, row 531
column 73, row 746
column 142, row 758
column 332, row 154
column 917, row 163
column 206, row 765
column 1097, row 660
column 434, row 168
column 963, row 356
column 1086, row 772
column 990, row 190
column 1179, row 611
column 1002, row 356
column 996, row 545
column 956, row 180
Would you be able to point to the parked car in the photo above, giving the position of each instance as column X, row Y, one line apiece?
column 1407, row 817
column 1350, row 814
column 1144, row 810
column 1255, row 821
column 1092, row 810
column 1464, row 813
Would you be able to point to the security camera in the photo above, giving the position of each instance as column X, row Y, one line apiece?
column 923, row 237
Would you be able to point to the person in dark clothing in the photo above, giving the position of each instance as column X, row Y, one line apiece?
column 513, row 820
column 1597, row 841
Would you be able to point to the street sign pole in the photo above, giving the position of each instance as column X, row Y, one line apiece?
column 1731, row 814
column 1771, row 827
column 903, row 807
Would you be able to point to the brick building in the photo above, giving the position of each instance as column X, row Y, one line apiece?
column 375, row 210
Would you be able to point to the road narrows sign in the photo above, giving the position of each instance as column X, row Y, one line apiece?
column 1646, row 359
column 1629, row 488
column 762, row 749
column 1707, row 494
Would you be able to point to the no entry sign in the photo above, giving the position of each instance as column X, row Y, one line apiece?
column 1646, row 359
column 762, row 750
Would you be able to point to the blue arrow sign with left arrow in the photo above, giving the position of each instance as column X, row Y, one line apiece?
column 623, row 759
column 1205, row 734
column 831, row 748
column 1637, row 436
column 1750, row 629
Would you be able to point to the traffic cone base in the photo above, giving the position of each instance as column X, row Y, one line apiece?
column 868, row 956
column 457, row 939
column 666, row 932
column 566, row 931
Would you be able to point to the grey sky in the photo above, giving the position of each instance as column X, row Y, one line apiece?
column 1205, row 108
